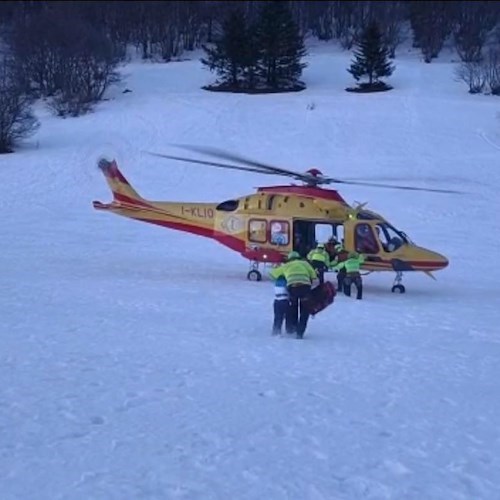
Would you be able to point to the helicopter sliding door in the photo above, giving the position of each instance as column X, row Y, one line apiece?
column 308, row 233
column 303, row 236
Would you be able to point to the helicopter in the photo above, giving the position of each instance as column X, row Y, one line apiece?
column 266, row 225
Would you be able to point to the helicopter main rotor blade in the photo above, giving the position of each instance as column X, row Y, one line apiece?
column 407, row 178
column 262, row 168
column 441, row 179
column 301, row 176
column 209, row 163
column 225, row 155
column 391, row 186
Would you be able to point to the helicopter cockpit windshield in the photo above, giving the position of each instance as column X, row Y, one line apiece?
column 390, row 238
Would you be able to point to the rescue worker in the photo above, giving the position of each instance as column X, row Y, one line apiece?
column 320, row 260
column 340, row 256
column 299, row 275
column 331, row 247
column 352, row 267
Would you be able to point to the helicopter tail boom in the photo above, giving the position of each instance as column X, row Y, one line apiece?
column 195, row 218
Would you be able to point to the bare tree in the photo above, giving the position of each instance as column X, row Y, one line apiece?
column 212, row 12
column 472, row 73
column 300, row 12
column 163, row 30
column 87, row 69
column 491, row 68
column 16, row 117
column 320, row 19
column 431, row 24
column 474, row 21
column 64, row 53
column 34, row 43
column 479, row 74
column 190, row 21
column 390, row 17
column 109, row 18
column 351, row 19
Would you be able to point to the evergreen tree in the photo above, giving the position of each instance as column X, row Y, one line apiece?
column 281, row 46
column 234, row 54
column 371, row 56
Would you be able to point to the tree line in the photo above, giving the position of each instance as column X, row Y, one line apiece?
column 164, row 29
column 67, row 52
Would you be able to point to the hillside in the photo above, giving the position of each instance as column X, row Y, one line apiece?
column 137, row 363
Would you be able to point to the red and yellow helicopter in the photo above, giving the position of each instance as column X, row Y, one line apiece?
column 266, row 225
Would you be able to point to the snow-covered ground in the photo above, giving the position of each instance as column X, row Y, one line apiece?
column 137, row 363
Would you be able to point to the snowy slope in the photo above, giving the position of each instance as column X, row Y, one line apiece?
column 136, row 363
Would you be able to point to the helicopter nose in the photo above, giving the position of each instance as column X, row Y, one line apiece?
column 434, row 261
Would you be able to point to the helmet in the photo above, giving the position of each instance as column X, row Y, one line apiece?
column 321, row 246
column 281, row 281
column 293, row 255
column 353, row 255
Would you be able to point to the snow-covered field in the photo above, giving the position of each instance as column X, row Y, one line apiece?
column 137, row 363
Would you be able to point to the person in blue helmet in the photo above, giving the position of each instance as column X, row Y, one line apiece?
column 299, row 275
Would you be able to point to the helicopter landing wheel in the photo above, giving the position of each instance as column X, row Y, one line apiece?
column 397, row 286
column 254, row 275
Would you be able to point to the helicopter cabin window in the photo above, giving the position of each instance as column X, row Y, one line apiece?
column 365, row 241
column 323, row 233
column 339, row 233
column 280, row 233
column 365, row 216
column 389, row 238
column 257, row 230
column 228, row 206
